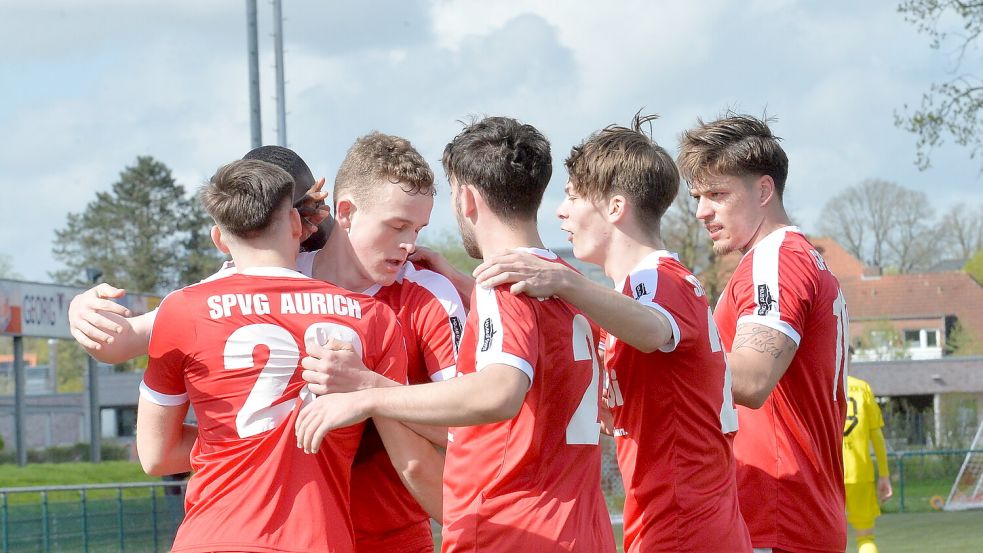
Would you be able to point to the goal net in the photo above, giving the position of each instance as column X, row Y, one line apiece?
column 967, row 491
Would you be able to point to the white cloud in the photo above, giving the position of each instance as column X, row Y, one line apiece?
column 100, row 83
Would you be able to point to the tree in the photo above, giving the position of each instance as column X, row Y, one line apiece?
column 961, row 231
column 7, row 268
column 954, row 107
column 883, row 224
column 974, row 267
column 145, row 234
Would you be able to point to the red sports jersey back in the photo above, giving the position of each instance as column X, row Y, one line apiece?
column 531, row 483
column 674, row 421
column 789, row 457
column 233, row 346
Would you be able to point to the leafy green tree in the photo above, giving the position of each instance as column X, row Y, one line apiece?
column 960, row 342
column 974, row 267
column 953, row 108
column 145, row 234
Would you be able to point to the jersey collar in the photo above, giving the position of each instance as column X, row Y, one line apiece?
column 540, row 252
column 272, row 272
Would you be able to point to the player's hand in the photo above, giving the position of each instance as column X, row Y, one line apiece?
column 336, row 368
column 313, row 211
column 323, row 415
column 884, row 491
column 607, row 419
column 426, row 258
column 530, row 274
column 86, row 321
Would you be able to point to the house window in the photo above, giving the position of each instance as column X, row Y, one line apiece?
column 921, row 338
column 126, row 421
column 913, row 338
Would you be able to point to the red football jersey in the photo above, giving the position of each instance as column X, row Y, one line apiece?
column 531, row 483
column 789, row 456
column 674, row 421
column 386, row 517
column 232, row 346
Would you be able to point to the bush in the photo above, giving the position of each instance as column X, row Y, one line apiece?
column 75, row 453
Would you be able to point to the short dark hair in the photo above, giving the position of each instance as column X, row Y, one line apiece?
column 622, row 160
column 289, row 161
column 244, row 195
column 507, row 161
column 378, row 156
column 737, row 145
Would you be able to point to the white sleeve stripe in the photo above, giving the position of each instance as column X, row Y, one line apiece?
column 668, row 348
column 502, row 358
column 444, row 374
column 765, row 285
column 773, row 323
column 165, row 400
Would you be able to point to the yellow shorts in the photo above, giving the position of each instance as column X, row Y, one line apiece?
column 862, row 506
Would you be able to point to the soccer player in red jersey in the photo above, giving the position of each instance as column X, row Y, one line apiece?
column 383, row 197
column 231, row 348
column 783, row 322
column 668, row 384
column 523, row 464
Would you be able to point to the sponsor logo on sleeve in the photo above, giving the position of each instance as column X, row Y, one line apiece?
column 640, row 290
column 488, row 333
column 457, row 329
column 765, row 299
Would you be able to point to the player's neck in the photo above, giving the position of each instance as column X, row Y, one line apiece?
column 337, row 263
column 626, row 249
column 774, row 219
column 248, row 256
column 496, row 237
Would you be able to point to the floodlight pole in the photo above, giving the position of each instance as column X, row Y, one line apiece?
column 252, row 38
column 281, row 101
column 19, row 413
column 95, row 417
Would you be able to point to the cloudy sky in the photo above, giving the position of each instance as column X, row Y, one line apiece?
column 89, row 86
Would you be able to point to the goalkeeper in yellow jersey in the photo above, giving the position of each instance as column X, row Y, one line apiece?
column 863, row 428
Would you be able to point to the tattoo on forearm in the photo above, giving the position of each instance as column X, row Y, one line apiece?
column 763, row 339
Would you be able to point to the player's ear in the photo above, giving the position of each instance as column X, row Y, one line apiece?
column 296, row 225
column 218, row 240
column 765, row 188
column 468, row 198
column 616, row 208
column 345, row 210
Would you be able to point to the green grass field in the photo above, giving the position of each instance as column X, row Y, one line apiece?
column 913, row 533
column 960, row 532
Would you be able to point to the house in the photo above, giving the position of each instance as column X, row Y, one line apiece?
column 904, row 329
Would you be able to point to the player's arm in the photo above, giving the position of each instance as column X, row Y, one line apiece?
column 418, row 463
column 105, row 328
column 884, row 491
column 164, row 442
column 493, row 394
column 635, row 324
column 759, row 357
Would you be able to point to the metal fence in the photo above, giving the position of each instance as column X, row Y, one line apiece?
column 144, row 516
column 922, row 480
column 94, row 518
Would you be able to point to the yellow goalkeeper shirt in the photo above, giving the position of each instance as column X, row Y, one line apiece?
column 863, row 420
